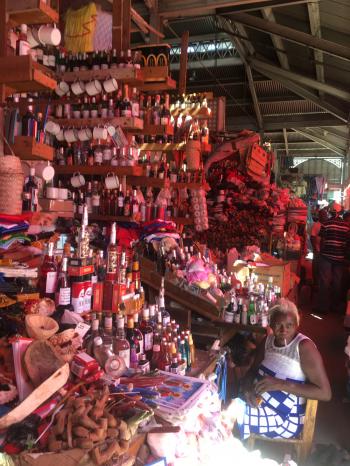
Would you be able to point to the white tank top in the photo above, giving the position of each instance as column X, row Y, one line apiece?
column 284, row 361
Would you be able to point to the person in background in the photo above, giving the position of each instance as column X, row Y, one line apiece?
column 316, row 243
column 287, row 369
column 335, row 236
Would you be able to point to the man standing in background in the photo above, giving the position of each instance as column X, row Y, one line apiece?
column 335, row 236
column 316, row 245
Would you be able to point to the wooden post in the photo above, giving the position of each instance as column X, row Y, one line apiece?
column 155, row 22
column 3, row 45
column 183, row 62
column 121, row 25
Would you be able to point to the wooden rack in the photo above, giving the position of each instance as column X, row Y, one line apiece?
column 131, row 76
column 118, row 218
column 98, row 170
column 27, row 148
column 129, row 123
column 168, row 147
column 157, row 130
column 23, row 74
column 33, row 12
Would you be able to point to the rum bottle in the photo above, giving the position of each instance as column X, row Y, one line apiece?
column 48, row 274
column 121, row 345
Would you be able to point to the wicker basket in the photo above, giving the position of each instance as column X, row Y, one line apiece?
column 11, row 185
column 193, row 154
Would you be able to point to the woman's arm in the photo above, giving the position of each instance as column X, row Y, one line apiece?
column 247, row 382
column 317, row 385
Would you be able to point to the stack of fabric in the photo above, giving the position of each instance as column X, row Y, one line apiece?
column 158, row 229
column 297, row 211
column 13, row 230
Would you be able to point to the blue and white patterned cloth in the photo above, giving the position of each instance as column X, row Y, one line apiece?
column 280, row 414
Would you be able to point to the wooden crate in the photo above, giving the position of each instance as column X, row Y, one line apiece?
column 27, row 148
column 31, row 12
column 23, row 74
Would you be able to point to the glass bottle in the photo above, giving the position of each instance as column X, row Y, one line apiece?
column 147, row 332
column 95, row 332
column 63, row 293
column 121, row 345
column 29, row 121
column 138, row 334
column 161, row 304
column 22, row 44
column 48, row 274
column 30, row 193
column 112, row 253
column 134, row 344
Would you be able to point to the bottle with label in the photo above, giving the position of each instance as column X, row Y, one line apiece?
column 48, row 274
column 22, row 44
column 127, row 205
column 29, row 121
column 120, row 202
column 125, row 106
column 165, row 115
column 147, row 332
column 155, row 356
column 174, row 367
column 244, row 315
column 30, row 193
column 108, row 329
column 231, row 310
column 121, row 345
column 134, row 344
column 161, row 304
column 112, row 254
column 137, row 332
column 135, row 103
column 63, row 293
column 102, row 351
column 164, row 362
column 89, row 340
column 135, row 206
column 252, row 317
column 144, row 364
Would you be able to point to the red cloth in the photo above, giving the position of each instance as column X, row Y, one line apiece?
column 126, row 235
column 16, row 218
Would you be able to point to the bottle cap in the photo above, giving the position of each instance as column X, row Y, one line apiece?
column 98, row 341
column 32, row 171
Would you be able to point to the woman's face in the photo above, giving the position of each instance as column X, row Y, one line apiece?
column 284, row 328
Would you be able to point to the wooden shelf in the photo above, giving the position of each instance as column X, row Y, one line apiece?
column 98, row 170
column 168, row 147
column 27, row 148
column 31, row 12
column 154, row 130
column 203, row 113
column 186, row 185
column 147, row 181
column 126, row 75
column 116, row 218
column 168, row 85
column 107, row 218
column 23, row 74
column 128, row 123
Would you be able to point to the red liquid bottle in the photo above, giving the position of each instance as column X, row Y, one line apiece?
column 48, row 275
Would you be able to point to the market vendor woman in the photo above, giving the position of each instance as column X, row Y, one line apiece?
column 287, row 369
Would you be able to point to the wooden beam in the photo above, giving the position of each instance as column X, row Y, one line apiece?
column 182, row 8
column 315, row 27
column 144, row 26
column 301, row 79
column 121, row 25
column 321, row 141
column 306, row 94
column 183, row 62
column 292, row 35
column 276, row 40
column 285, row 137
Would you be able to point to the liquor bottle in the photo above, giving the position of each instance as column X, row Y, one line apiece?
column 63, row 293
column 244, row 315
column 22, row 44
column 29, row 121
column 88, row 197
column 165, row 115
column 95, row 332
column 135, row 206
column 95, row 199
column 112, row 254
column 188, row 351
column 135, row 103
column 174, row 367
column 164, row 361
column 127, row 205
column 120, row 202
column 125, row 106
column 30, row 193
column 156, row 111
column 161, row 304
column 137, row 332
column 155, row 356
column 107, row 335
column 114, row 59
column 128, row 60
column 252, row 311
column 48, row 274
column 83, row 249
column 102, row 351
column 144, row 364
column 147, row 332
column 134, row 344
column 121, row 345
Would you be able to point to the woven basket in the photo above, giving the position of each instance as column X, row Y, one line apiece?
column 193, row 154
column 11, row 185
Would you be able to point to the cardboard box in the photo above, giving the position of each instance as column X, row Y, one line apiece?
column 55, row 205
column 281, row 274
